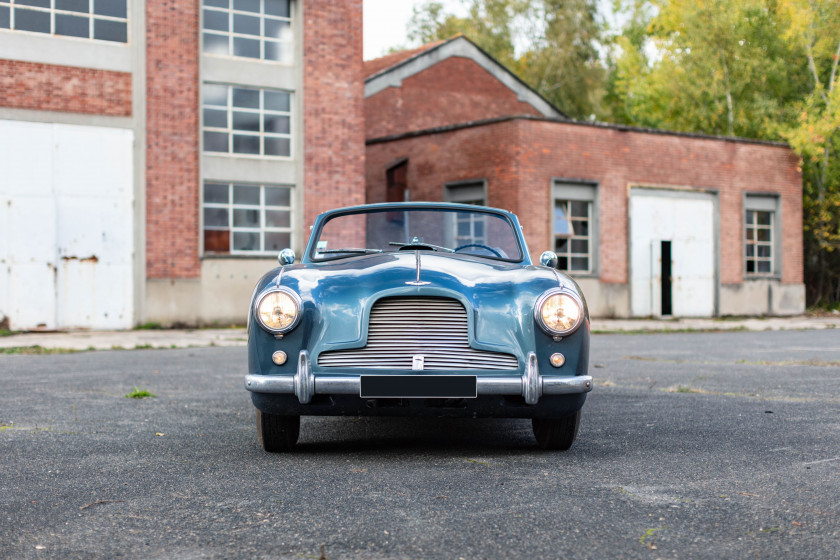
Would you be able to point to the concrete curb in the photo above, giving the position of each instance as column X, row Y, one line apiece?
column 801, row 322
column 127, row 340
column 189, row 338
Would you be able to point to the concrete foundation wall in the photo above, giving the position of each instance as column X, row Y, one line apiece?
column 220, row 296
column 605, row 300
column 762, row 297
column 754, row 297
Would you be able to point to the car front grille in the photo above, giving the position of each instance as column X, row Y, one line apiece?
column 402, row 328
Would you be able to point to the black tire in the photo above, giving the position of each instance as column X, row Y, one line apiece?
column 556, row 433
column 277, row 433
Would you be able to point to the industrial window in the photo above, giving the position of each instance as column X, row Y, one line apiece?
column 106, row 20
column 246, row 121
column 469, row 226
column 574, row 226
column 246, row 218
column 471, row 192
column 260, row 29
column 760, row 235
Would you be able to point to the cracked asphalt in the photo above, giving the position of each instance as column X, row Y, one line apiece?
column 702, row 445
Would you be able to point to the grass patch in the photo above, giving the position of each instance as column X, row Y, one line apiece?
column 138, row 393
column 670, row 331
column 818, row 363
column 687, row 389
column 179, row 325
column 37, row 350
column 7, row 332
column 647, row 537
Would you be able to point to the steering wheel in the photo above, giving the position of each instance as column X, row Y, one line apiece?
column 480, row 246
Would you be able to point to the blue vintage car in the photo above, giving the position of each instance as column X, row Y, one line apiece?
column 417, row 309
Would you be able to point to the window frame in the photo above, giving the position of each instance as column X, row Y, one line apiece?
column 468, row 188
column 90, row 16
column 262, row 229
column 261, row 112
column 767, row 203
column 577, row 190
column 263, row 40
column 451, row 191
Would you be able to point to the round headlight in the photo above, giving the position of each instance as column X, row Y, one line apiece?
column 278, row 311
column 559, row 313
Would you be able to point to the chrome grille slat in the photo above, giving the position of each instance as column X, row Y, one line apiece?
column 435, row 328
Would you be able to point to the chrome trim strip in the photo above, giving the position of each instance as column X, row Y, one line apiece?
column 417, row 281
column 531, row 382
column 305, row 384
column 304, row 380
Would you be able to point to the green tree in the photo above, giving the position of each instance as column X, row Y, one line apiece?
column 813, row 28
column 719, row 68
column 550, row 44
column 489, row 24
column 563, row 62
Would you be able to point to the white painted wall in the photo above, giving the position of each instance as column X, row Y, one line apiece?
column 687, row 220
column 66, row 223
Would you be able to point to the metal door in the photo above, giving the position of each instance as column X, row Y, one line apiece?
column 686, row 221
column 66, row 223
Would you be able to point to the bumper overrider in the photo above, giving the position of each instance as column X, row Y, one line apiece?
column 305, row 384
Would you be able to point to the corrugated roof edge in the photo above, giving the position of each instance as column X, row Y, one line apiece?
column 596, row 124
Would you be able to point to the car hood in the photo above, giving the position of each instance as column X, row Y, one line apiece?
column 499, row 297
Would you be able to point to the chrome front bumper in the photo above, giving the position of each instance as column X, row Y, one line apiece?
column 304, row 384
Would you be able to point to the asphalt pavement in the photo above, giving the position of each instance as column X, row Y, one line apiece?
column 692, row 445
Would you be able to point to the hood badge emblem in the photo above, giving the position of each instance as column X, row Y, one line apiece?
column 417, row 281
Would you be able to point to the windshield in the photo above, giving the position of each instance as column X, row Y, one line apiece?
column 465, row 232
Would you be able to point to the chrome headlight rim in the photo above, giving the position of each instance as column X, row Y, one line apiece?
column 295, row 298
column 552, row 292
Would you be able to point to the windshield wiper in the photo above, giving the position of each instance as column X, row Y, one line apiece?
column 352, row 250
column 421, row 245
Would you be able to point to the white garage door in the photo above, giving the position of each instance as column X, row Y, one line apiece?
column 66, row 223
column 681, row 224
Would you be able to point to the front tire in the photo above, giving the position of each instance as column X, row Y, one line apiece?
column 556, row 433
column 277, row 433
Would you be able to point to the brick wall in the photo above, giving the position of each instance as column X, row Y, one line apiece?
column 455, row 90
column 333, row 118
column 434, row 160
column 172, row 139
column 520, row 157
column 46, row 87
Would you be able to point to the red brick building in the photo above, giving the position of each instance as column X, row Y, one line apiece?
column 649, row 222
column 157, row 155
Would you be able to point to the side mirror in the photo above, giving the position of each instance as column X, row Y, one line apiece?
column 286, row 256
column 549, row 259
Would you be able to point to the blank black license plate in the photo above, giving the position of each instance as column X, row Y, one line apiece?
column 418, row 386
